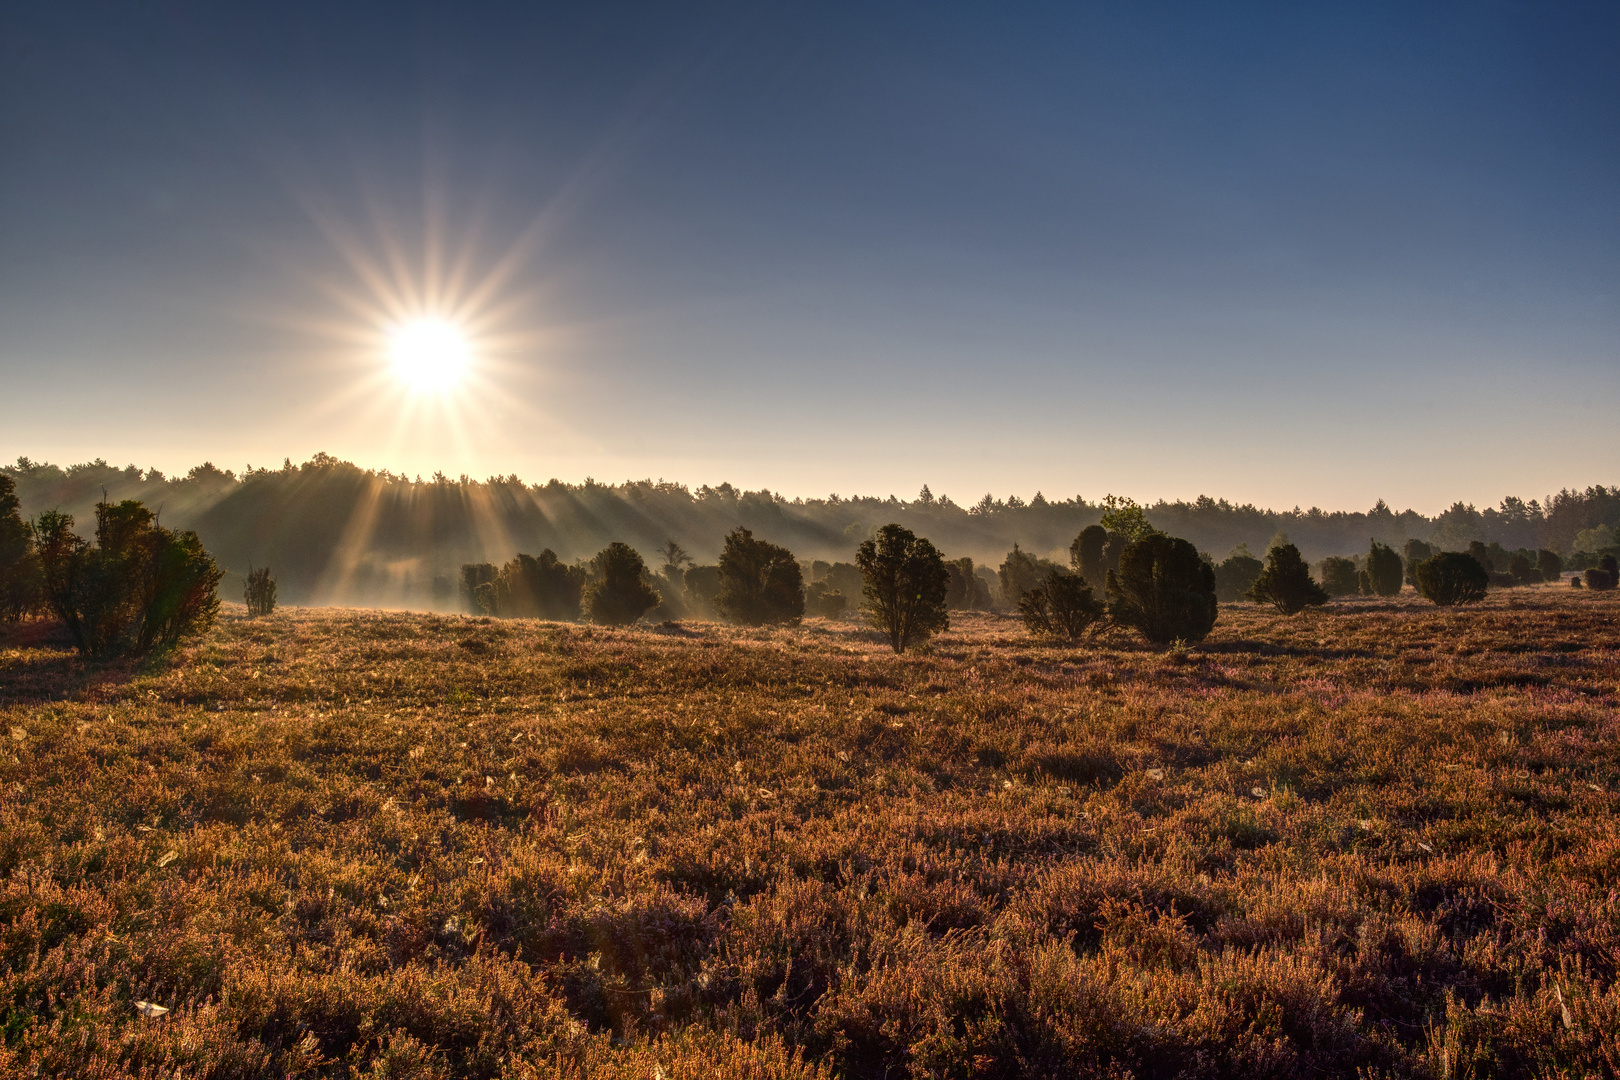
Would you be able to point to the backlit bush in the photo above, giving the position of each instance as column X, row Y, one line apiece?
column 1286, row 583
column 760, row 582
column 618, row 593
column 1385, row 572
column 1451, row 578
column 1062, row 607
column 1339, row 576
column 1163, row 590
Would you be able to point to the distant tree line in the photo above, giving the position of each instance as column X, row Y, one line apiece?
column 341, row 534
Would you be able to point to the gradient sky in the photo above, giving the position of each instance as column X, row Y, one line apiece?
column 1289, row 253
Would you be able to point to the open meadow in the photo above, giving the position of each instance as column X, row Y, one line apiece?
column 1376, row 839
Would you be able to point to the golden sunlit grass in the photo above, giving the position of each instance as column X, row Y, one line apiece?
column 1380, row 837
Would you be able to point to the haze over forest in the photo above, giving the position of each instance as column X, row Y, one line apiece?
column 333, row 532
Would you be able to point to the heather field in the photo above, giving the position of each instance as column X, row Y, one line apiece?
column 1378, row 839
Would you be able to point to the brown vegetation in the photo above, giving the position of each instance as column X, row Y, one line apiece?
column 1378, row 837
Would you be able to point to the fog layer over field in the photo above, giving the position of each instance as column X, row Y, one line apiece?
column 335, row 533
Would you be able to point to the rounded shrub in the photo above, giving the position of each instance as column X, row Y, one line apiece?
column 1286, row 583
column 1451, row 578
column 1385, row 570
column 1339, row 576
column 1550, row 565
column 760, row 582
column 1163, row 589
column 618, row 594
column 905, row 584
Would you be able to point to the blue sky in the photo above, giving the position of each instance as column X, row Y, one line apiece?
column 1312, row 254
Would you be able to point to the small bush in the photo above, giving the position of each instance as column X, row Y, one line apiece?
column 138, row 588
column 1549, row 564
column 260, row 592
column 1522, row 569
column 618, row 595
column 1163, row 589
column 821, row 600
column 1385, row 570
column 1286, row 583
column 1451, row 578
column 1063, row 606
column 1088, row 555
column 905, row 586
column 1235, row 575
column 1339, row 576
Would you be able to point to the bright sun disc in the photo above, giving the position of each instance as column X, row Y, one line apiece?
column 428, row 354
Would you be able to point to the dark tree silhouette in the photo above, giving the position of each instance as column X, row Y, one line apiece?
column 702, row 585
column 1163, row 589
column 1235, row 575
column 1550, row 565
column 1086, row 555
column 967, row 591
column 760, row 582
column 260, row 592
column 904, row 584
column 1385, row 570
column 1339, row 576
column 1286, row 583
column 1451, row 578
column 1062, row 606
column 617, row 594
column 1415, row 552
column 19, row 565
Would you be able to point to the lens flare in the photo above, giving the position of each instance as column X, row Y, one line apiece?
column 428, row 354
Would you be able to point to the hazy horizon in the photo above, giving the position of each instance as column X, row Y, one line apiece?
column 1276, row 255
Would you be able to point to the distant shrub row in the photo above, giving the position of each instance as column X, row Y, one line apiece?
column 1122, row 572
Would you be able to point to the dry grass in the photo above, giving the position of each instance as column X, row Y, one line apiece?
column 1380, row 838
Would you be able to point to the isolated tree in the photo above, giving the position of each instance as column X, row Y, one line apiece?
column 1062, row 606
column 260, row 592
column 1451, row 578
column 1384, row 570
column 760, row 582
column 19, row 565
column 139, row 587
column 1086, row 555
column 904, row 586
column 1339, row 576
column 1415, row 552
column 1235, row 574
column 1286, row 583
column 1163, row 589
column 1550, row 565
column 617, row 594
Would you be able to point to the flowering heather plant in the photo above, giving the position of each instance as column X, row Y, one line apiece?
column 1384, row 841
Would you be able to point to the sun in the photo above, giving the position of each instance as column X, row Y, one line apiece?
column 429, row 354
